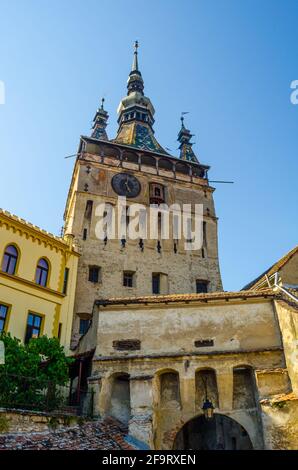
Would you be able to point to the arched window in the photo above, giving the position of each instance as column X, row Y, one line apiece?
column 42, row 272
column 10, row 258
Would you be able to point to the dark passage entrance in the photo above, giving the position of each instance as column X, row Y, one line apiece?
column 218, row 433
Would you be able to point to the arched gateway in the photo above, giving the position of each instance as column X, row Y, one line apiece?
column 218, row 433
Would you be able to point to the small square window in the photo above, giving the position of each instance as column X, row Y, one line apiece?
column 128, row 279
column 94, row 274
column 201, row 286
column 155, row 283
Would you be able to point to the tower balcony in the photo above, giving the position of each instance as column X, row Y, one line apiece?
column 130, row 158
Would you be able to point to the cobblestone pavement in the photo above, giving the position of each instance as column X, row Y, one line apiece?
column 95, row 435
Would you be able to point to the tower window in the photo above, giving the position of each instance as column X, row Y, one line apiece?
column 128, row 279
column 88, row 211
column 85, row 234
column 156, row 283
column 205, row 233
column 42, row 272
column 201, row 286
column 157, row 193
column 10, row 259
column 94, row 274
column 33, row 329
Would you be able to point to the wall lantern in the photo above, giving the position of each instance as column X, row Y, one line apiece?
column 207, row 407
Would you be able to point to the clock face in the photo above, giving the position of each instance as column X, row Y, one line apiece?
column 125, row 184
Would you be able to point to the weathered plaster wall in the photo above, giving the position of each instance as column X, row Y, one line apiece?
column 19, row 421
column 165, row 329
column 288, row 321
column 280, row 423
column 157, row 421
column 245, row 363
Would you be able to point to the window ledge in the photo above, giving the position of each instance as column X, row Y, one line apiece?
column 21, row 280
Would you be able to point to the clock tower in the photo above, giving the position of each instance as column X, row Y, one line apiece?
column 136, row 166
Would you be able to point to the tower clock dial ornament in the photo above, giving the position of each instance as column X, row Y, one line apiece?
column 125, row 184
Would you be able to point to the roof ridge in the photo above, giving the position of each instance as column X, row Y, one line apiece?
column 186, row 296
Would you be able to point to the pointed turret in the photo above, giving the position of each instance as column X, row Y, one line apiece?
column 100, row 123
column 186, row 151
column 135, row 113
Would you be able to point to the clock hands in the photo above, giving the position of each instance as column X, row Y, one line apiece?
column 127, row 185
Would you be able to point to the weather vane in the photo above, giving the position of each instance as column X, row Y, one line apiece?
column 183, row 114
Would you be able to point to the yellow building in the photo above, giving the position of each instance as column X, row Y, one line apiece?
column 37, row 281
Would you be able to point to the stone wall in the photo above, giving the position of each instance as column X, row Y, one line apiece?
column 175, row 329
column 22, row 421
column 280, row 423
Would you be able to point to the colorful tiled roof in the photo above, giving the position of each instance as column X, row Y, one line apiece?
column 140, row 136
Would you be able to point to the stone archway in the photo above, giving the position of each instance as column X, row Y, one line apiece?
column 219, row 433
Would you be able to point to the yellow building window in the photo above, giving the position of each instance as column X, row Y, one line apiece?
column 42, row 272
column 34, row 324
column 10, row 258
column 3, row 316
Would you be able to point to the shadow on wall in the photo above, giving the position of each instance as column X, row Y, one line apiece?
column 119, row 406
column 219, row 433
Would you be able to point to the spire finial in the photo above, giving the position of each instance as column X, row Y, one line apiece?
column 102, row 102
column 135, row 65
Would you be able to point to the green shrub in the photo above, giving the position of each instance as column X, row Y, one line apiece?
column 32, row 373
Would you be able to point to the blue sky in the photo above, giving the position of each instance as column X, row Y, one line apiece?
column 229, row 63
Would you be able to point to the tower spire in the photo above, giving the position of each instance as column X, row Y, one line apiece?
column 184, row 137
column 135, row 64
column 136, row 113
column 135, row 79
column 100, row 122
